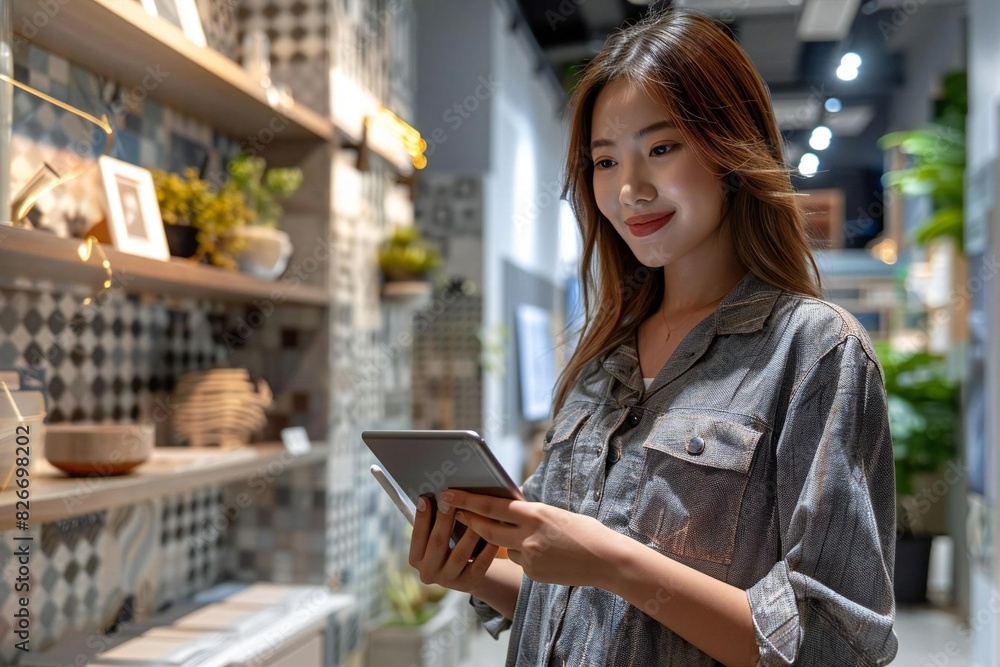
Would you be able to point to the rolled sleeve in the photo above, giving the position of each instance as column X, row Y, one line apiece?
column 495, row 622
column 829, row 600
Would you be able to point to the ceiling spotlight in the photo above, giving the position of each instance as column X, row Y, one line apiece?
column 820, row 139
column 808, row 164
column 846, row 73
column 851, row 60
column 849, row 64
column 833, row 105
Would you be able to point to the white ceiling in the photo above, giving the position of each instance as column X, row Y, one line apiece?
column 742, row 7
column 850, row 121
column 827, row 20
column 765, row 39
column 797, row 112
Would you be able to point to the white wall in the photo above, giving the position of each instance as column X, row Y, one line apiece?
column 453, row 58
column 984, row 148
column 522, row 218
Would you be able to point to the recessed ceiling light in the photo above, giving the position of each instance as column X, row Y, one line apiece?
column 851, row 59
column 820, row 139
column 833, row 105
column 808, row 164
column 846, row 73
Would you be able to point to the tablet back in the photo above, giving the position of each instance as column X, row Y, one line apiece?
column 428, row 462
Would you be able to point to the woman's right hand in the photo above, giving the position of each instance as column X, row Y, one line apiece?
column 436, row 561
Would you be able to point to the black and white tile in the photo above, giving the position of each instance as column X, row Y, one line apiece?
column 146, row 134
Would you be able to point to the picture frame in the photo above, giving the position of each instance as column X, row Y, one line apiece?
column 182, row 14
column 133, row 214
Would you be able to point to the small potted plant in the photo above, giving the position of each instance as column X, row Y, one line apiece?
column 267, row 249
column 924, row 415
column 425, row 627
column 407, row 262
column 199, row 219
column 179, row 197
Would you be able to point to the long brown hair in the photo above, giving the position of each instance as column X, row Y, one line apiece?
column 711, row 91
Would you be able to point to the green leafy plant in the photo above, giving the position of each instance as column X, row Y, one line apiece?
column 413, row 602
column 213, row 212
column 938, row 163
column 405, row 255
column 924, row 413
column 263, row 187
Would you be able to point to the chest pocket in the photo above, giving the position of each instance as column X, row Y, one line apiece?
column 558, row 450
column 693, row 477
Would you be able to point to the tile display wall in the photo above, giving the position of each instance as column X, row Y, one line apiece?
column 92, row 572
column 449, row 212
column 285, row 350
column 446, row 356
column 297, row 32
column 218, row 20
column 373, row 47
column 112, row 361
column 277, row 526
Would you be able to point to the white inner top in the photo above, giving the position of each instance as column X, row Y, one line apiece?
column 648, row 381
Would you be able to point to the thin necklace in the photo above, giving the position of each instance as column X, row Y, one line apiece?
column 663, row 316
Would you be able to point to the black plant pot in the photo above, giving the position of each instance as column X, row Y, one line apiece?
column 913, row 559
column 182, row 240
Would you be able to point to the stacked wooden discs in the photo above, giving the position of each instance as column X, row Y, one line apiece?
column 220, row 406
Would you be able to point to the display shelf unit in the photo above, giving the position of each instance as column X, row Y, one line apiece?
column 171, row 470
column 117, row 38
column 28, row 253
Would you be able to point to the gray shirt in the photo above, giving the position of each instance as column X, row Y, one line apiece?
column 761, row 456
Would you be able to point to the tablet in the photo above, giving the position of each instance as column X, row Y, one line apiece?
column 421, row 463
column 428, row 462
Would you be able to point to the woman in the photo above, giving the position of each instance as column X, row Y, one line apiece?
column 718, row 485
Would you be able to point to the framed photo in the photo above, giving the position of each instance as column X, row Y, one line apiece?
column 181, row 13
column 134, row 222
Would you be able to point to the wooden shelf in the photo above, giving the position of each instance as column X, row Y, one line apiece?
column 27, row 253
column 407, row 289
column 117, row 38
column 54, row 496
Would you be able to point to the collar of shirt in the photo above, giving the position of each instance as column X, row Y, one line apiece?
column 743, row 310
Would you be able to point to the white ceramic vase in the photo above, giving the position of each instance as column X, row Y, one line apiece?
column 266, row 252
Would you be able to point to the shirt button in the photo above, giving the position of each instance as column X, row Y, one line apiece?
column 597, row 495
column 633, row 419
column 695, row 445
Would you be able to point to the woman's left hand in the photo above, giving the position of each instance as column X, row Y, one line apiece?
column 553, row 546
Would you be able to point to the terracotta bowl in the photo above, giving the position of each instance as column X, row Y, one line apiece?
column 98, row 449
